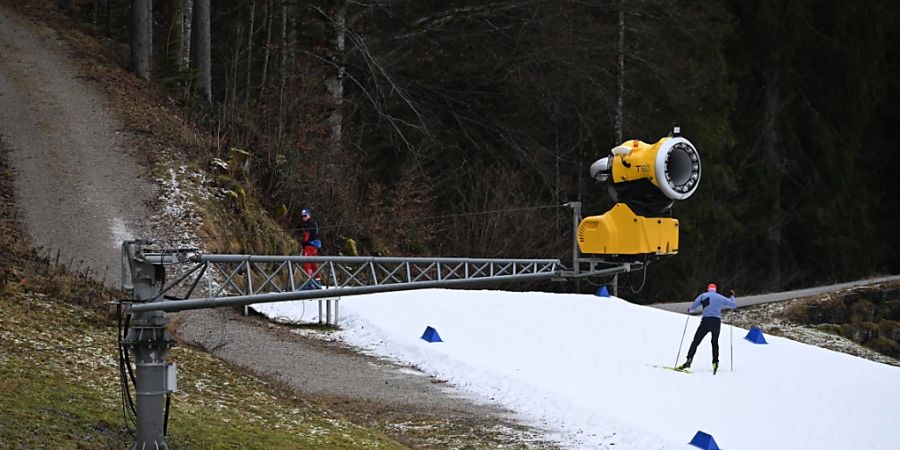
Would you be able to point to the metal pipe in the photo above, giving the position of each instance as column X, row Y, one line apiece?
column 360, row 259
column 179, row 280
column 593, row 273
column 576, row 262
column 338, row 302
column 196, row 281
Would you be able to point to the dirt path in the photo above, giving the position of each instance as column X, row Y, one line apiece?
column 76, row 183
column 81, row 192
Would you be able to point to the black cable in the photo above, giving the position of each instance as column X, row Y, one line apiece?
column 166, row 415
column 643, row 278
column 119, row 354
column 610, row 278
column 127, row 403
column 125, row 363
column 414, row 219
column 128, row 358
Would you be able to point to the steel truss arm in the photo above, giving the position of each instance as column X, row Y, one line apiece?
column 248, row 279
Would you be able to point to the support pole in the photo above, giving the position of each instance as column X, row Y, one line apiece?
column 328, row 311
column 149, row 342
column 576, row 262
column 615, row 284
column 337, row 303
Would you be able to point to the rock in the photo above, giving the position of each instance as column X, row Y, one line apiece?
column 874, row 295
column 890, row 310
column 892, row 293
column 859, row 332
column 851, row 297
column 862, row 311
column 820, row 312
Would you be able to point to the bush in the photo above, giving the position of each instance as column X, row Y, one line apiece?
column 885, row 346
column 859, row 332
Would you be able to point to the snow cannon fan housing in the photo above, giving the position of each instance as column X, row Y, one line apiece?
column 644, row 180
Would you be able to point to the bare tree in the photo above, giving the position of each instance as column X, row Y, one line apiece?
column 250, row 30
column 620, row 91
column 202, row 50
column 335, row 83
column 187, row 14
column 142, row 37
column 267, row 18
column 283, row 69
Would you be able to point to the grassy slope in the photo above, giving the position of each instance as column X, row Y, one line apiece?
column 58, row 371
column 60, row 390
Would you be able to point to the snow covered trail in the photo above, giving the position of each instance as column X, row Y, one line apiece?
column 583, row 367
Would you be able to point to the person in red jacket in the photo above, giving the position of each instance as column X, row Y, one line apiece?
column 309, row 230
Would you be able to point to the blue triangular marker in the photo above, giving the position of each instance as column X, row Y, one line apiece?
column 704, row 441
column 755, row 336
column 602, row 292
column 431, row 335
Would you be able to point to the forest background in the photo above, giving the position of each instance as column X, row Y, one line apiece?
column 459, row 128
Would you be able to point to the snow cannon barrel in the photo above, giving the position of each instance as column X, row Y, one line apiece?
column 644, row 180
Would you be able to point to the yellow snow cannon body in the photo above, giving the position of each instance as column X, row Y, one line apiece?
column 644, row 180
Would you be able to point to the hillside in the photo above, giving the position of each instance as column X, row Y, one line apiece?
column 60, row 380
column 100, row 156
column 131, row 137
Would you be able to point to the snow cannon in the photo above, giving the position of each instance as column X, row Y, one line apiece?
column 644, row 180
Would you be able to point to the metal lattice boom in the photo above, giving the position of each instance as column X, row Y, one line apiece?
column 247, row 279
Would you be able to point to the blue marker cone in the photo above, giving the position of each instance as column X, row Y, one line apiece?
column 704, row 441
column 755, row 336
column 431, row 335
column 602, row 292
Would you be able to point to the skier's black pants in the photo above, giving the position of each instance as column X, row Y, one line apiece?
column 707, row 325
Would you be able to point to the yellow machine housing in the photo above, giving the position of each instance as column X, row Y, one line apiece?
column 621, row 232
column 644, row 180
column 640, row 161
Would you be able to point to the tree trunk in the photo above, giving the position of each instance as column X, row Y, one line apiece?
column 773, row 168
column 142, row 37
column 250, row 31
column 620, row 91
column 335, row 83
column 173, row 32
column 268, row 20
column 283, row 69
column 202, row 50
column 187, row 16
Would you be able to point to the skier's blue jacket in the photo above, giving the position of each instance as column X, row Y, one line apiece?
column 712, row 308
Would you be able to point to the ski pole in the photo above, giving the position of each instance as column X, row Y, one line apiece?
column 731, row 339
column 681, row 342
column 731, row 344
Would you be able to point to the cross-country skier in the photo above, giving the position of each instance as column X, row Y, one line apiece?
column 712, row 303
